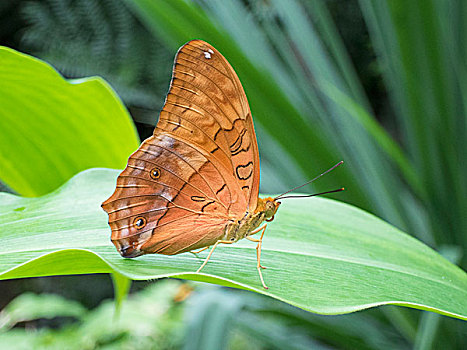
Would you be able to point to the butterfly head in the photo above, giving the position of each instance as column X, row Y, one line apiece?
column 269, row 207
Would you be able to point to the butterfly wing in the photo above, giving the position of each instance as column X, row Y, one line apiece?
column 198, row 172
column 207, row 98
column 170, row 185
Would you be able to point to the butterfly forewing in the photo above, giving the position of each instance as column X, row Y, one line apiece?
column 199, row 172
column 206, row 91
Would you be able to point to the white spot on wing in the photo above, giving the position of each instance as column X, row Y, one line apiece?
column 210, row 51
column 207, row 55
column 166, row 141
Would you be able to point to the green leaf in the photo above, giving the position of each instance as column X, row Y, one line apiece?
column 380, row 136
column 122, row 286
column 51, row 129
column 29, row 306
column 146, row 318
column 304, row 144
column 420, row 47
column 322, row 255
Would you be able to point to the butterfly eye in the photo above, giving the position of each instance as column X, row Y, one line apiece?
column 155, row 173
column 139, row 222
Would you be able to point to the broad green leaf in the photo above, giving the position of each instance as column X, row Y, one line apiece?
column 322, row 255
column 51, row 129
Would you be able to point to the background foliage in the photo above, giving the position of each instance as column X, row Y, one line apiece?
column 398, row 119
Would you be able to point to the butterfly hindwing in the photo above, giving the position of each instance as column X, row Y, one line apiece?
column 167, row 182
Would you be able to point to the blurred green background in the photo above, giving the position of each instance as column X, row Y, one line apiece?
column 379, row 84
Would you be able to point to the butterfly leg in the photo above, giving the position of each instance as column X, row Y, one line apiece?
column 210, row 253
column 259, row 240
column 200, row 250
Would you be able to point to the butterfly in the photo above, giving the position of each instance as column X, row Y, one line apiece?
column 194, row 183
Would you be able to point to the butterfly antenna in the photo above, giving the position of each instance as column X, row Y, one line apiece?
column 311, row 195
column 308, row 182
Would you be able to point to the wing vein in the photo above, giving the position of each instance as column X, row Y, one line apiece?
column 185, row 181
column 194, row 125
column 197, row 171
column 214, row 83
column 232, row 77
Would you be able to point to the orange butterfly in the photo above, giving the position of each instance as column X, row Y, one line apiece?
column 195, row 182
